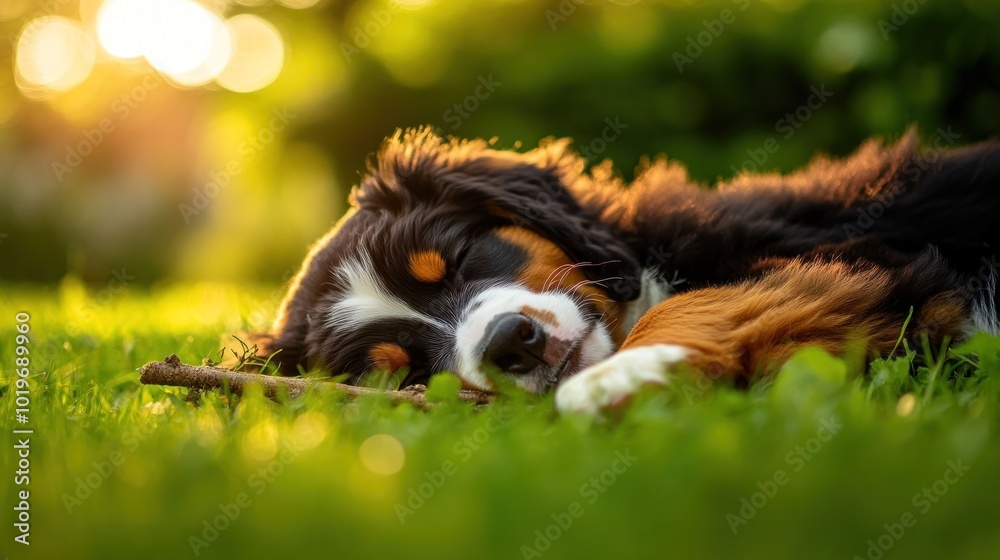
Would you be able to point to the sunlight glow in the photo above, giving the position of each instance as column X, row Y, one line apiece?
column 298, row 4
column 186, row 40
column 258, row 54
column 54, row 54
column 220, row 53
column 180, row 38
column 123, row 25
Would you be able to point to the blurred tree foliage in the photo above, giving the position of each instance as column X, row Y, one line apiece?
column 704, row 82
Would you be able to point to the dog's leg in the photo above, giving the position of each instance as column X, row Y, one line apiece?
column 612, row 381
column 747, row 330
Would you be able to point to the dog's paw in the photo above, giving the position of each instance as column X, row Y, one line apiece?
column 608, row 383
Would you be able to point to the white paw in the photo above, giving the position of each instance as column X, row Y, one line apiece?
column 618, row 377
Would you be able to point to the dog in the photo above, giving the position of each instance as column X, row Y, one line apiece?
column 528, row 269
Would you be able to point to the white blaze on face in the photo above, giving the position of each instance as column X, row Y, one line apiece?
column 569, row 325
column 366, row 299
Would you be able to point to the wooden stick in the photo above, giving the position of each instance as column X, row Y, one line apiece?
column 174, row 373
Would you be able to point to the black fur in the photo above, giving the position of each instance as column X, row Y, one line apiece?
column 926, row 217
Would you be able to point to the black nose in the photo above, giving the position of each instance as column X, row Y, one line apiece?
column 514, row 343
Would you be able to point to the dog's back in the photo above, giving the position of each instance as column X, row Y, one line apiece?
column 897, row 197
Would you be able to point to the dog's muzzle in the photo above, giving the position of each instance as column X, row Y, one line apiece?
column 515, row 343
column 537, row 339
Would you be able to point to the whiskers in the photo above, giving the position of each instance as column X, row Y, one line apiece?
column 595, row 303
column 592, row 301
column 559, row 274
column 600, row 283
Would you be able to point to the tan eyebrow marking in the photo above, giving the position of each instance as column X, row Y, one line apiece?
column 427, row 266
column 540, row 315
column 388, row 357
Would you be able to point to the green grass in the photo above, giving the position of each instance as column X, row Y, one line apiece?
column 493, row 477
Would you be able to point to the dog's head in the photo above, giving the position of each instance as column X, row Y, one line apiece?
column 459, row 257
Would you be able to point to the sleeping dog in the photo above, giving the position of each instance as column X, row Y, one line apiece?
column 527, row 267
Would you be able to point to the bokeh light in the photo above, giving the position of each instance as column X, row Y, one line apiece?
column 53, row 54
column 847, row 44
column 298, row 4
column 261, row 441
column 258, row 54
column 123, row 26
column 309, row 430
column 219, row 54
column 183, row 36
column 906, row 404
column 382, row 454
column 180, row 38
column 186, row 40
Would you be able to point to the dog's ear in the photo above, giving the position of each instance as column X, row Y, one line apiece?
column 537, row 199
column 531, row 190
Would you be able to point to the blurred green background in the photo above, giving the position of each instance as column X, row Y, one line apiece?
column 702, row 82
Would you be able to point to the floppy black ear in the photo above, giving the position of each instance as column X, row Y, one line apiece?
column 536, row 198
column 530, row 189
